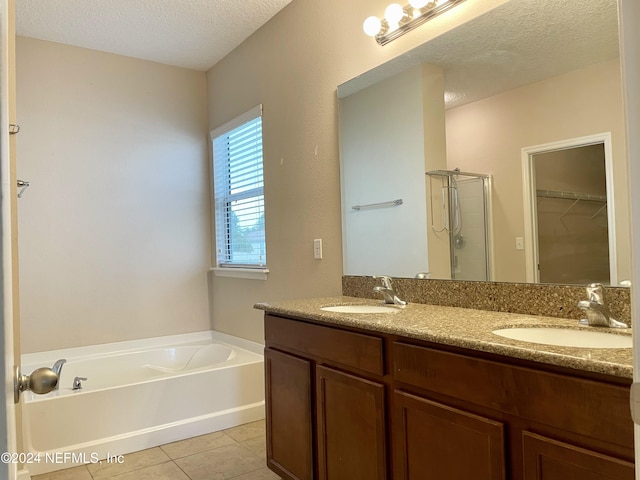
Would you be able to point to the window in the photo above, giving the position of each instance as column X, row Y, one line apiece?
column 239, row 192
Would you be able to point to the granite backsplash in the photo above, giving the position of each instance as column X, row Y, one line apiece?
column 526, row 298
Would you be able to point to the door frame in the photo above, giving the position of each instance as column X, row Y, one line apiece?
column 532, row 274
column 8, row 438
column 629, row 20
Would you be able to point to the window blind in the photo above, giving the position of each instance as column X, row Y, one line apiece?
column 239, row 192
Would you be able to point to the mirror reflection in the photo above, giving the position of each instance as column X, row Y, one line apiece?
column 455, row 128
column 572, row 252
column 463, row 220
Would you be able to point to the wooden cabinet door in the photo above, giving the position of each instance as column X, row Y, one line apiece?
column 433, row 441
column 547, row 459
column 350, row 427
column 289, row 405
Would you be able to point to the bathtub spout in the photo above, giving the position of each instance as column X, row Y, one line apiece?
column 57, row 369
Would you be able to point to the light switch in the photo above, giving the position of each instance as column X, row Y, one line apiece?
column 317, row 249
column 519, row 243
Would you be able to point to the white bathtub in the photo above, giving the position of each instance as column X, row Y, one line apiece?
column 140, row 394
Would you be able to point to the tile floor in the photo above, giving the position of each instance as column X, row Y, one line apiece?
column 237, row 453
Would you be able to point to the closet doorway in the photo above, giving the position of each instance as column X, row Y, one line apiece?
column 569, row 212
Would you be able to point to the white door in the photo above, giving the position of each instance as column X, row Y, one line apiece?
column 630, row 56
column 7, row 415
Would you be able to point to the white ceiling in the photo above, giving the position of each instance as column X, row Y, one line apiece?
column 518, row 43
column 193, row 34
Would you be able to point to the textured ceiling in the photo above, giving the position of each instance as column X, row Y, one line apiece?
column 515, row 44
column 193, row 34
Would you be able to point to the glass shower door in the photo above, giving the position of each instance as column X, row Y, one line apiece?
column 461, row 212
column 469, row 247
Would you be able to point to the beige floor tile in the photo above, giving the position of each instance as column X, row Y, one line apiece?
column 221, row 463
column 257, row 445
column 247, row 431
column 132, row 461
column 194, row 445
column 162, row 471
column 262, row 474
column 75, row 473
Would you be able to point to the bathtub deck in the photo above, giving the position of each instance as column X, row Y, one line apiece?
column 237, row 453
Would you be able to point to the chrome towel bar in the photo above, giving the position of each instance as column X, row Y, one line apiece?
column 391, row 203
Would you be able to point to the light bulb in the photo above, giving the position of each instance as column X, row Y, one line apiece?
column 418, row 3
column 394, row 13
column 372, row 26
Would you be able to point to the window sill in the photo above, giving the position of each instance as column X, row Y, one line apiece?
column 247, row 273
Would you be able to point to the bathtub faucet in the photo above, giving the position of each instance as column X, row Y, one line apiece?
column 57, row 369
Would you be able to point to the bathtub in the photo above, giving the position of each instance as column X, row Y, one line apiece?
column 140, row 394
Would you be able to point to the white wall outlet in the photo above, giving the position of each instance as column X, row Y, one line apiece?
column 519, row 243
column 317, row 249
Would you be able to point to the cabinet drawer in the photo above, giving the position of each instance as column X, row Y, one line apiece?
column 355, row 350
column 587, row 407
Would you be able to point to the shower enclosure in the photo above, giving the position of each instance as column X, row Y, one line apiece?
column 459, row 217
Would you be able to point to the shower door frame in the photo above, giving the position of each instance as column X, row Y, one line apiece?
column 488, row 219
column 531, row 253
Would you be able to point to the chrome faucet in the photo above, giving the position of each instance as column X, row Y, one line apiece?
column 388, row 293
column 77, row 383
column 57, row 369
column 596, row 310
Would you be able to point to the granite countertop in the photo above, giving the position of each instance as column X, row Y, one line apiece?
column 466, row 328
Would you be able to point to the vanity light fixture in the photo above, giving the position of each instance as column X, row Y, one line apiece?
column 398, row 20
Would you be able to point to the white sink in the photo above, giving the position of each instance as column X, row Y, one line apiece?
column 360, row 309
column 566, row 337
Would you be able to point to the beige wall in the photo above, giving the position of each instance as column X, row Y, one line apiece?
column 114, row 231
column 292, row 65
column 487, row 137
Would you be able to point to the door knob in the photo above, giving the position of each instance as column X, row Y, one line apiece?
column 40, row 381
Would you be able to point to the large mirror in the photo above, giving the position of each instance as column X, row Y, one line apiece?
column 440, row 148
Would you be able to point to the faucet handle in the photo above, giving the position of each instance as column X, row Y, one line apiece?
column 595, row 293
column 77, row 383
column 385, row 279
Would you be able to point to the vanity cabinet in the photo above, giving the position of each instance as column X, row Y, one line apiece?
column 434, row 440
column 325, row 402
column 350, row 426
column 349, row 404
column 505, row 421
column 289, row 416
column 545, row 458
